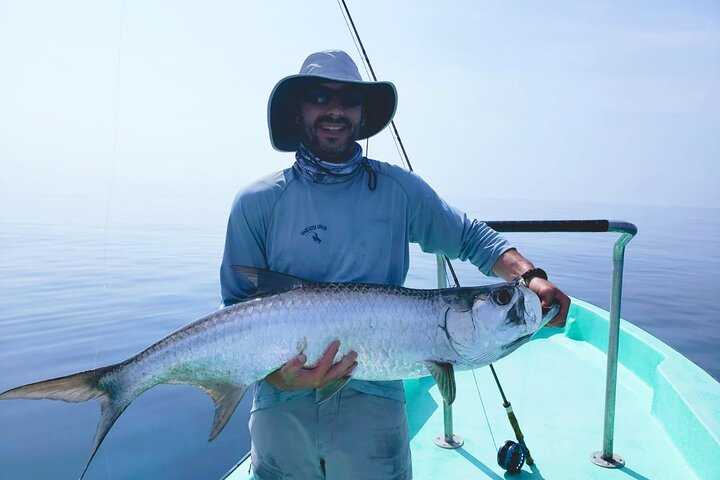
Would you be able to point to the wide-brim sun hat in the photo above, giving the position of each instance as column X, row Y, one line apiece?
column 379, row 98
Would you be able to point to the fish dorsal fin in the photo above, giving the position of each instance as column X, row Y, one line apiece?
column 445, row 378
column 330, row 390
column 226, row 397
column 267, row 282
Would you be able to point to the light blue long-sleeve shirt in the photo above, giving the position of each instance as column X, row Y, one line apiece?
column 346, row 232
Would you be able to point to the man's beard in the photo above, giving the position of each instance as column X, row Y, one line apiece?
column 335, row 151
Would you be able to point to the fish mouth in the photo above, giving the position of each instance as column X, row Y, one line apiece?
column 516, row 343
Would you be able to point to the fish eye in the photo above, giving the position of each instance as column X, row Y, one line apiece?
column 503, row 296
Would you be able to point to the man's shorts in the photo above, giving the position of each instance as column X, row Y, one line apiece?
column 351, row 436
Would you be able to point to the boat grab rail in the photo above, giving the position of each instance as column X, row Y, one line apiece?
column 605, row 458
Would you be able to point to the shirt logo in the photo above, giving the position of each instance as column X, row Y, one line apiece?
column 313, row 230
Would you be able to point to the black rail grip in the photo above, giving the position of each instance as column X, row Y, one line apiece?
column 550, row 225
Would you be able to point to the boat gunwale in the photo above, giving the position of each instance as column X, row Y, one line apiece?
column 685, row 398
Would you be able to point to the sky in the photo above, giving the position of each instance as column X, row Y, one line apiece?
column 605, row 102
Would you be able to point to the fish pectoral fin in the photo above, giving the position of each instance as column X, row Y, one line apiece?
column 444, row 376
column 331, row 389
column 226, row 397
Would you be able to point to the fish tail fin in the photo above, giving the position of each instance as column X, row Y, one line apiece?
column 110, row 410
column 79, row 387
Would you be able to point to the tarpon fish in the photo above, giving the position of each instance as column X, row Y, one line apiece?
column 397, row 332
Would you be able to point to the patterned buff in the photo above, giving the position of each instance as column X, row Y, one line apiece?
column 307, row 164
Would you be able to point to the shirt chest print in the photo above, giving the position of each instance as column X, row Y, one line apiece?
column 314, row 232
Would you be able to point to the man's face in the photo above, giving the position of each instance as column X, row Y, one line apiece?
column 330, row 117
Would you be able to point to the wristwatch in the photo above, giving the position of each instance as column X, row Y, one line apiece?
column 532, row 273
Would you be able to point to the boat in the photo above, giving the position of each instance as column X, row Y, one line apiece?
column 597, row 399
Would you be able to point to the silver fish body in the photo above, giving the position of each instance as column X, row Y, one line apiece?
column 397, row 333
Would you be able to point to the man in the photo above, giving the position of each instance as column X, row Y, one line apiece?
column 338, row 216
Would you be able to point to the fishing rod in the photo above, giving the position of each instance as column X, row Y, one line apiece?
column 395, row 133
column 511, row 455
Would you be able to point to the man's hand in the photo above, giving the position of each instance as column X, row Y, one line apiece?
column 550, row 294
column 295, row 376
column 511, row 265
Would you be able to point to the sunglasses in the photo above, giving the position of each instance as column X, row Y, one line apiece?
column 323, row 95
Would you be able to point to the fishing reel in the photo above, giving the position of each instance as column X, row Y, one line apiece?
column 511, row 456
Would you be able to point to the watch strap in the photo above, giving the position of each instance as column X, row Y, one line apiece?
column 532, row 273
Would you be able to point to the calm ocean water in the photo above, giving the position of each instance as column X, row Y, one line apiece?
column 89, row 281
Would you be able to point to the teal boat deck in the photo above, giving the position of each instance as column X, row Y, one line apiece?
column 667, row 422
